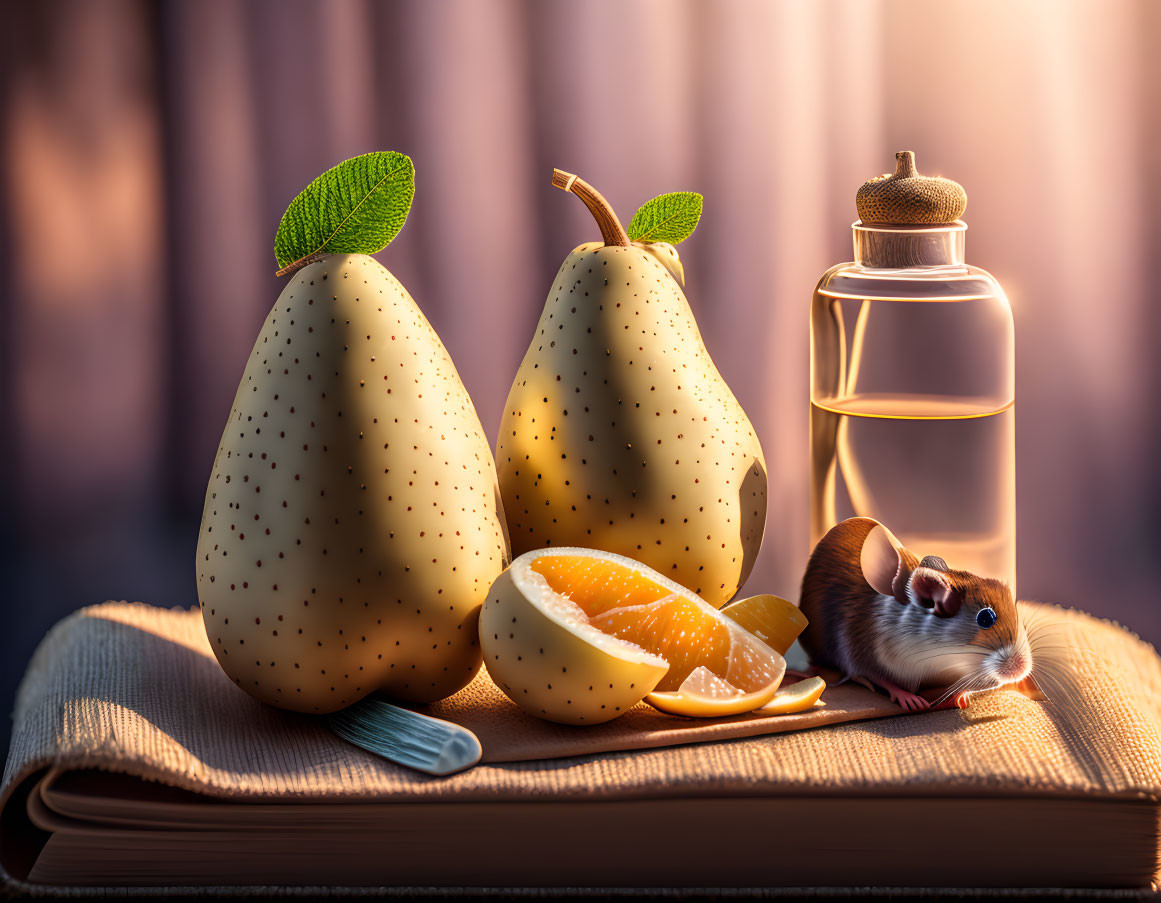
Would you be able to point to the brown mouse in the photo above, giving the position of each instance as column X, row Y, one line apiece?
column 881, row 615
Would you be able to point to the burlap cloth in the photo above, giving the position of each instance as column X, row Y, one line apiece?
column 135, row 689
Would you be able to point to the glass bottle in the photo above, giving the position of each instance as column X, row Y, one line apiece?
column 912, row 418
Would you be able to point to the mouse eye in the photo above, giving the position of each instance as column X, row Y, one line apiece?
column 986, row 617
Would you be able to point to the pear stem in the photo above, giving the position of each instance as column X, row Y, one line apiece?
column 300, row 263
column 905, row 165
column 611, row 229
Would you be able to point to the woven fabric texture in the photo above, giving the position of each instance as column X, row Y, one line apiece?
column 136, row 689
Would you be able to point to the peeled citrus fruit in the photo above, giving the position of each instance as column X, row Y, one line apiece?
column 798, row 697
column 580, row 636
column 770, row 618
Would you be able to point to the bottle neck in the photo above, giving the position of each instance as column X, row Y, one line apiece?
column 895, row 247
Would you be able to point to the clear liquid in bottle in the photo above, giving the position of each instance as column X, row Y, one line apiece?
column 937, row 471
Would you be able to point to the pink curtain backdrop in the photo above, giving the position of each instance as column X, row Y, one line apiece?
column 149, row 150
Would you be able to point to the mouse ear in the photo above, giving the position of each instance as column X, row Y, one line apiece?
column 882, row 563
column 932, row 589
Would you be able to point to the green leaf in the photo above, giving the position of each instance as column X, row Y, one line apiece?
column 670, row 217
column 357, row 207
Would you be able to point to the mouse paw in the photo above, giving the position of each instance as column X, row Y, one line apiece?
column 908, row 702
column 1028, row 687
column 959, row 701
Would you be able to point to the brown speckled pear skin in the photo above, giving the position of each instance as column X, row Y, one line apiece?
column 620, row 434
column 352, row 523
column 667, row 255
column 905, row 198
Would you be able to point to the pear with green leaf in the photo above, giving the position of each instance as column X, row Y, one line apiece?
column 619, row 432
column 352, row 523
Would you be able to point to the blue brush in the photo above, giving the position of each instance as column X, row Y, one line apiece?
column 400, row 735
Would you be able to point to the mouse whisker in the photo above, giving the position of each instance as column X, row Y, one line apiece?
column 958, row 688
column 1039, row 637
column 916, row 659
column 945, row 648
column 978, row 680
column 1036, row 631
column 935, row 650
column 1055, row 678
column 949, row 692
column 911, row 662
column 921, row 665
column 953, row 689
column 939, row 643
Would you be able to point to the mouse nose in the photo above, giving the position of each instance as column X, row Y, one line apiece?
column 1015, row 665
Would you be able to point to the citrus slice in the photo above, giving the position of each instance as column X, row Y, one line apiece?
column 705, row 695
column 798, row 697
column 770, row 618
column 580, row 636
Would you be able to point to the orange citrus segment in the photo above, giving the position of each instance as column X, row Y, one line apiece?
column 561, row 621
column 797, row 697
column 627, row 601
column 704, row 694
column 704, row 683
column 770, row 618
column 597, row 585
column 676, row 630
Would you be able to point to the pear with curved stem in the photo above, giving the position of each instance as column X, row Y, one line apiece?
column 619, row 432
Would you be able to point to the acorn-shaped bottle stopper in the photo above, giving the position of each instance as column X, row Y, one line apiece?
column 905, row 198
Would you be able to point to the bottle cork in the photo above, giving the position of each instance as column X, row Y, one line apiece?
column 905, row 198
column 896, row 205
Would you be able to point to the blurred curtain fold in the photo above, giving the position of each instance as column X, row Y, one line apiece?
column 150, row 148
